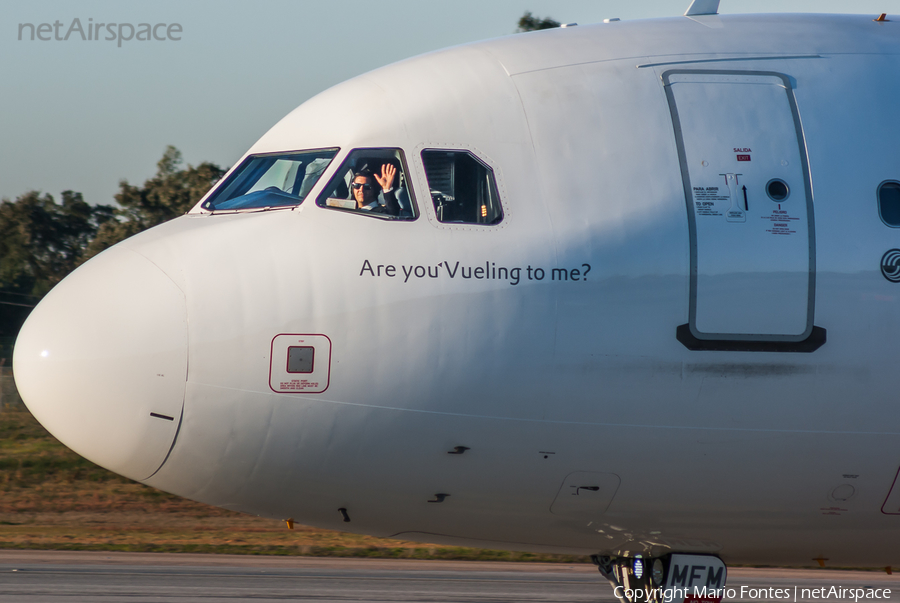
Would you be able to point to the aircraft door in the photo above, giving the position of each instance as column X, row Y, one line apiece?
column 750, row 213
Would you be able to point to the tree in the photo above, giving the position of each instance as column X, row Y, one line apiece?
column 40, row 243
column 168, row 194
column 529, row 22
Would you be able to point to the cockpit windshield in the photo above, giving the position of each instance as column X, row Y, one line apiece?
column 271, row 180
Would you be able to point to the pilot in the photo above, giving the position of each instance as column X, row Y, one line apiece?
column 365, row 192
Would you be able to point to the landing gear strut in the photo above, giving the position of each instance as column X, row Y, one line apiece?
column 627, row 575
column 668, row 579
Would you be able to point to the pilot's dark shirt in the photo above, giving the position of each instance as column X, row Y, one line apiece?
column 391, row 206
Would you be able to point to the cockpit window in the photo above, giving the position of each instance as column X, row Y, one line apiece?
column 271, row 180
column 372, row 182
column 462, row 187
column 889, row 203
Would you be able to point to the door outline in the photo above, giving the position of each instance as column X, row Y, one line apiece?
column 813, row 337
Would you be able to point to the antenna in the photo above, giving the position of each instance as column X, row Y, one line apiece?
column 702, row 7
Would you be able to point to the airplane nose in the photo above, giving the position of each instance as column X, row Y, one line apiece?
column 101, row 362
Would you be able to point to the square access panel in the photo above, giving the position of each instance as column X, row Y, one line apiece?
column 300, row 364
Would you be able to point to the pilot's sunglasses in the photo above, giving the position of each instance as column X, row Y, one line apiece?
column 360, row 185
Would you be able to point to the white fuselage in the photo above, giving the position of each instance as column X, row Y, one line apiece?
column 775, row 455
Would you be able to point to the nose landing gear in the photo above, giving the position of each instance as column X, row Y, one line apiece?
column 671, row 578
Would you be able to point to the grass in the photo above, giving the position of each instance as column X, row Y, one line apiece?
column 51, row 498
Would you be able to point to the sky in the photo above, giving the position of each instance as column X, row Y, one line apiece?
column 84, row 114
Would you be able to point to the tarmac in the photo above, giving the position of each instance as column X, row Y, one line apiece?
column 73, row 577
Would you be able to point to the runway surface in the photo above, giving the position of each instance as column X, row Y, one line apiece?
column 74, row 577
